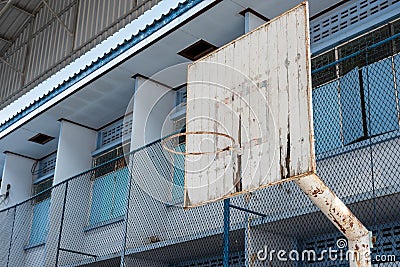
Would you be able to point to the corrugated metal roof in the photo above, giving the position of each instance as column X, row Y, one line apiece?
column 14, row 16
column 119, row 48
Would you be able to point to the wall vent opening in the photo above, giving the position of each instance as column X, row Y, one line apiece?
column 197, row 50
column 41, row 139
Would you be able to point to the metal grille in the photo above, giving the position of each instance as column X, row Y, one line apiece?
column 116, row 132
column 325, row 27
column 46, row 166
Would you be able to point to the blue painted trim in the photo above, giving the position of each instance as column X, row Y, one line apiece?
column 356, row 53
column 106, row 58
column 105, row 223
column 28, row 247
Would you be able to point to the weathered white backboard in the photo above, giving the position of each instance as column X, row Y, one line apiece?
column 257, row 90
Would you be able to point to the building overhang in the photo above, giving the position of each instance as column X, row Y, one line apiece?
column 100, row 92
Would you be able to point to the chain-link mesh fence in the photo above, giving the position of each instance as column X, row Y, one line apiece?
column 128, row 211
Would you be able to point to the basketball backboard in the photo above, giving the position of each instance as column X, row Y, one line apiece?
column 256, row 92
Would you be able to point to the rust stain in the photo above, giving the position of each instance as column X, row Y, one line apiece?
column 318, row 191
column 287, row 159
column 339, row 225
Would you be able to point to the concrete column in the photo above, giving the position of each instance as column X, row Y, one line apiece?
column 17, row 173
column 74, row 154
column 252, row 20
column 75, row 145
column 153, row 103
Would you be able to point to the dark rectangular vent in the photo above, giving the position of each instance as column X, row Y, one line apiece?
column 197, row 50
column 41, row 138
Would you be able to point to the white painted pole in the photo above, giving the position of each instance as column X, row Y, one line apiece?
column 359, row 238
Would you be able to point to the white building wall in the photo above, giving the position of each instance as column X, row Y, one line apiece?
column 17, row 173
column 153, row 103
column 75, row 146
column 76, row 143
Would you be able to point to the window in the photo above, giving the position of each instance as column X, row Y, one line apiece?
column 110, row 161
column 359, row 44
column 110, row 186
column 181, row 97
column 356, row 98
column 396, row 41
column 327, row 127
column 109, row 196
column 358, row 105
column 41, row 208
column 327, row 74
column 380, row 97
column 352, row 107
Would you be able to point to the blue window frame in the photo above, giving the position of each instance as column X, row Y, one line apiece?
column 109, row 196
column 365, row 104
column 41, row 209
column 40, row 223
column 351, row 107
column 380, row 97
column 327, row 126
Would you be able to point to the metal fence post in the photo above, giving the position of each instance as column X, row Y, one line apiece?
column 226, row 232
column 61, row 223
column 130, row 171
column 12, row 233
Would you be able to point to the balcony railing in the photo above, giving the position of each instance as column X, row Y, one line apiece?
column 126, row 216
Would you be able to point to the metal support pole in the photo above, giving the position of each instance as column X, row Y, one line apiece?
column 12, row 233
column 341, row 216
column 130, row 171
column 247, row 234
column 226, row 232
column 61, row 223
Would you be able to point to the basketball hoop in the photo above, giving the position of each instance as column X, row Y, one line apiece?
column 172, row 142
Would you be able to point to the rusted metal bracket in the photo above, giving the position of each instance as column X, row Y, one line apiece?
column 359, row 238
